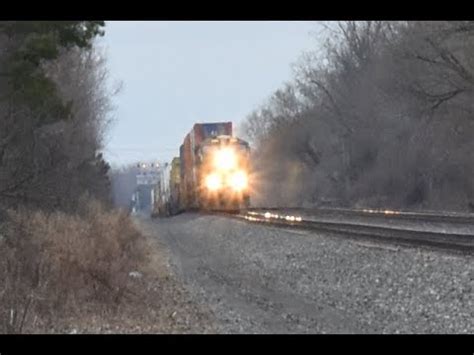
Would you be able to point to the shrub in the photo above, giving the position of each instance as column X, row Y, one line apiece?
column 54, row 265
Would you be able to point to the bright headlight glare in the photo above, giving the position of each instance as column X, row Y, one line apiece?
column 225, row 159
column 238, row 180
column 213, row 182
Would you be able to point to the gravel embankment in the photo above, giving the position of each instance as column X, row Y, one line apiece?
column 259, row 279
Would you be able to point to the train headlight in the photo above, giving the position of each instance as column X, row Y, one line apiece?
column 213, row 182
column 238, row 180
column 225, row 159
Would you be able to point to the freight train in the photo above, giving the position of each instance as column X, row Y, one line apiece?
column 211, row 173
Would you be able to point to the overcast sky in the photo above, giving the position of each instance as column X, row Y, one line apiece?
column 177, row 73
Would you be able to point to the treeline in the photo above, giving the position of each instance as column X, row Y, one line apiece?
column 381, row 116
column 65, row 254
column 124, row 184
column 54, row 109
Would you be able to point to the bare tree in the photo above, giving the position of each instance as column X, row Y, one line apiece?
column 381, row 116
column 54, row 110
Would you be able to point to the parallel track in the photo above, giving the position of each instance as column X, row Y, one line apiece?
column 463, row 243
column 464, row 218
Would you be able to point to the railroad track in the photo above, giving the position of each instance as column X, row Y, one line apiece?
column 463, row 218
column 304, row 219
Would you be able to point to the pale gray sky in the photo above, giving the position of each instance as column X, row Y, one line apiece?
column 178, row 73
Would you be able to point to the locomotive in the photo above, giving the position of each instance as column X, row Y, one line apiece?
column 211, row 173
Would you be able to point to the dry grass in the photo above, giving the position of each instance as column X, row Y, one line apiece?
column 58, row 266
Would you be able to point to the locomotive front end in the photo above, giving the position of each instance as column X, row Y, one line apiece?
column 225, row 174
